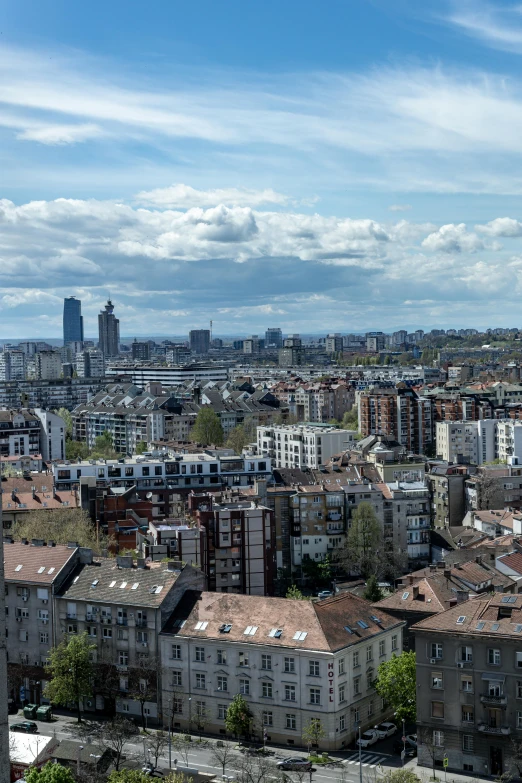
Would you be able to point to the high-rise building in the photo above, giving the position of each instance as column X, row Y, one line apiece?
column 48, row 365
column 140, row 350
column 273, row 338
column 72, row 320
column 199, row 340
column 109, row 331
column 12, row 366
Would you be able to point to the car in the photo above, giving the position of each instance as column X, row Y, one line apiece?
column 385, row 729
column 324, row 594
column 398, row 747
column 411, row 739
column 27, row 726
column 294, row 763
column 369, row 737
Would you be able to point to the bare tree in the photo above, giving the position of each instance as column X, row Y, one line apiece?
column 434, row 751
column 182, row 747
column 143, row 682
column 113, row 736
column 257, row 769
column 157, row 742
column 199, row 718
column 222, row 754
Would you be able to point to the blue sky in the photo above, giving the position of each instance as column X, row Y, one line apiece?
column 315, row 166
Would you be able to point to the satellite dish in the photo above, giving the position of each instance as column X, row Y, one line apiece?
column 149, row 495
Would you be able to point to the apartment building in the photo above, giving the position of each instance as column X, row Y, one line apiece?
column 302, row 445
column 446, row 486
column 411, row 514
column 89, row 364
column 509, row 440
column 60, row 393
column 30, row 433
column 34, row 574
column 401, row 414
column 318, row 523
column 291, row 660
column 469, row 686
column 123, row 607
column 322, row 402
column 12, row 365
column 142, row 374
column 48, row 365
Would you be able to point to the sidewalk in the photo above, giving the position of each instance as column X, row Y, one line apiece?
column 425, row 774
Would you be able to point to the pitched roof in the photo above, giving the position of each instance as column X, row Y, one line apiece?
column 512, row 560
column 317, row 625
column 497, row 615
column 104, row 581
column 33, row 559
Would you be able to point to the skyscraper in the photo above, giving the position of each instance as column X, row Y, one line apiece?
column 199, row 340
column 273, row 338
column 109, row 331
column 72, row 320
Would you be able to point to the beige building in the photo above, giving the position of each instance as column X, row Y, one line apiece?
column 301, row 445
column 291, row 660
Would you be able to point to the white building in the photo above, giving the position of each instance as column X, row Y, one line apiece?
column 12, row 366
column 141, row 375
column 509, row 440
column 303, row 445
column 48, row 365
column 473, row 441
column 52, row 435
column 31, row 432
column 291, row 660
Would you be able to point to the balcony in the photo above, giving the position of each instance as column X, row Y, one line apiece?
column 333, row 516
column 505, row 730
column 488, row 698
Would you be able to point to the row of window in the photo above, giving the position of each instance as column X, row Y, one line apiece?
column 23, row 636
column 314, row 668
column 465, row 654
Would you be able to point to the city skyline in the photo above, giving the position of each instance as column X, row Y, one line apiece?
column 172, row 182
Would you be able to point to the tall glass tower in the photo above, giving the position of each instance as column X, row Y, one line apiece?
column 109, row 331
column 72, row 320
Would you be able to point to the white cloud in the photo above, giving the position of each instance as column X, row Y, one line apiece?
column 183, row 197
column 400, row 207
column 496, row 25
column 60, row 134
column 501, row 227
column 453, row 238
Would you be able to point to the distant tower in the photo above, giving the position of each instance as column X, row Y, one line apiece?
column 72, row 320
column 199, row 340
column 109, row 331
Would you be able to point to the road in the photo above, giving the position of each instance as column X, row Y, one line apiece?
column 346, row 768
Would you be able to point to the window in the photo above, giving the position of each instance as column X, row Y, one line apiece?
column 243, row 659
column 493, row 657
column 222, row 657
column 467, row 713
column 142, row 637
column 467, row 683
column 177, row 706
column 23, row 636
column 394, row 642
column 267, row 690
column 124, row 684
column 519, row 660
column 370, row 709
column 315, row 695
column 268, row 719
column 244, row 687
column 356, row 686
column 44, row 637
column 382, row 648
column 290, row 665
column 176, row 678
column 519, row 689
column 222, row 711
column 438, row 739
column 437, row 709
column 266, row 661
column 436, row 650
column 341, row 665
column 342, row 723
column 436, row 680
column 467, row 743
column 290, row 692
column 176, row 652
column 123, row 658
column 369, row 653
column 519, row 719
column 107, row 633
column 200, row 654
column 313, row 668
column 466, row 654
column 356, row 659
column 342, row 693
column 356, row 717
column 222, row 683
column 291, row 721
column 200, row 680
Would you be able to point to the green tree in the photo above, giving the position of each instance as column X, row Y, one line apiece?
column 239, row 717
column 141, row 447
column 361, row 551
column 60, row 525
column 76, row 450
column 396, row 684
column 128, row 776
column 70, row 670
column 66, row 416
column 207, row 428
column 372, row 591
column 103, row 447
column 50, row 773
column 237, row 439
column 351, row 419
column 313, row 733
column 403, row 775
column 295, row 593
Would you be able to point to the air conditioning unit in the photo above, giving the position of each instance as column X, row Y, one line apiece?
column 18, row 619
column 461, row 665
column 24, row 598
column 37, row 663
column 45, row 600
column 45, row 622
column 144, row 644
column 434, row 660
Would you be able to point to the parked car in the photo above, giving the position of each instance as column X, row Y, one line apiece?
column 294, row 763
column 324, row 594
column 411, row 739
column 385, row 729
column 369, row 737
column 27, row 726
column 398, row 747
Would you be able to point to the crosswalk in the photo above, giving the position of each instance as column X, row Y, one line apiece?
column 368, row 759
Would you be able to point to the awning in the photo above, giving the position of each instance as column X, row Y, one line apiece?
column 493, row 677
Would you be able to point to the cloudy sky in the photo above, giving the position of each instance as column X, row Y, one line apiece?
column 315, row 166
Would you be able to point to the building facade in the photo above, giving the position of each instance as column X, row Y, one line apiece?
column 108, row 331
column 199, row 340
column 72, row 320
column 301, row 445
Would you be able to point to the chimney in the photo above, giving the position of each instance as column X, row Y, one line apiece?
column 8, row 539
column 415, row 592
column 447, row 573
column 85, row 555
column 174, row 565
column 51, row 543
column 25, row 541
column 72, row 544
column 37, row 541
column 433, row 567
column 124, row 561
column 478, row 559
column 410, row 579
column 441, row 564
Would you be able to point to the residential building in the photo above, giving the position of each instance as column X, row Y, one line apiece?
column 178, row 354
column 253, row 345
column 199, row 340
column 140, row 351
column 322, row 402
column 52, row 435
column 72, row 320
column 474, row 650
column 26, row 432
column 302, row 445
column 291, row 660
column 89, row 364
column 142, row 374
column 334, row 343
column 375, row 341
column 123, row 607
column 48, row 365
column 400, row 413
column 273, row 338
column 509, row 441
column 59, row 393
column 34, row 573
column 12, row 365
column 446, row 485
column 108, row 331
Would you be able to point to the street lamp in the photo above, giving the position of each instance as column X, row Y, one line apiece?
column 358, row 726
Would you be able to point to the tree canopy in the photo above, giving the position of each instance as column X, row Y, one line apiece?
column 372, row 590
column 363, row 541
column 351, row 419
column 295, row 593
column 71, row 671
column 239, row 717
column 237, row 439
column 207, row 428
column 50, row 773
column 313, row 732
column 60, row 525
column 396, row 683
